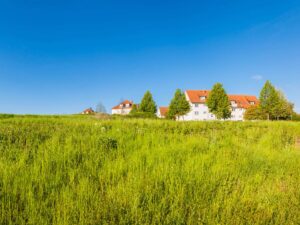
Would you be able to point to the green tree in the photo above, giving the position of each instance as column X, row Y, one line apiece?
column 179, row 106
column 295, row 116
column 274, row 105
column 284, row 109
column 147, row 104
column 254, row 113
column 269, row 101
column 218, row 102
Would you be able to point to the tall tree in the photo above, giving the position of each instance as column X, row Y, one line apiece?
column 284, row 109
column 269, row 101
column 100, row 108
column 147, row 104
column 218, row 102
column 179, row 106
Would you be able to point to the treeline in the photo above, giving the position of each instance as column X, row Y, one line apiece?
column 273, row 105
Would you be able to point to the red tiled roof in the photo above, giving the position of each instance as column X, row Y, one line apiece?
column 194, row 95
column 242, row 101
column 89, row 110
column 124, row 105
column 163, row 111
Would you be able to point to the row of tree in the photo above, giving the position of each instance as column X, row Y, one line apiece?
column 273, row 105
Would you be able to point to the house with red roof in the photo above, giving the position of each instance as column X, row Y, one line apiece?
column 162, row 112
column 123, row 108
column 200, row 111
column 88, row 111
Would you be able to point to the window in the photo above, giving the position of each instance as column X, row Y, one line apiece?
column 233, row 102
column 196, row 113
column 204, row 112
column 196, row 105
column 252, row 103
column 202, row 98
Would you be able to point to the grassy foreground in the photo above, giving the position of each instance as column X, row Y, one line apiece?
column 78, row 170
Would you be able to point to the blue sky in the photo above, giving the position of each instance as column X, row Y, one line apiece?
column 60, row 57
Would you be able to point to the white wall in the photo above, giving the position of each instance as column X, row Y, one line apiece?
column 237, row 114
column 200, row 112
column 158, row 114
column 121, row 111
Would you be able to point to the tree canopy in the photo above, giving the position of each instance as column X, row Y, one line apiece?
column 148, row 105
column 254, row 113
column 218, row 102
column 179, row 106
column 273, row 104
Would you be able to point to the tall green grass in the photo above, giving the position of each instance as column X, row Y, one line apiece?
column 78, row 170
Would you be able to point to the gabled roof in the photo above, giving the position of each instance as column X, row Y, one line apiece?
column 123, row 104
column 242, row 101
column 194, row 95
column 163, row 111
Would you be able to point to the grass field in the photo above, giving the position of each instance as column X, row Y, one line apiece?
column 79, row 170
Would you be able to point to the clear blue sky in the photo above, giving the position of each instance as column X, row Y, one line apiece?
column 63, row 56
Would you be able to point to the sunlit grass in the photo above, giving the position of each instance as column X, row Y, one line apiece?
column 79, row 170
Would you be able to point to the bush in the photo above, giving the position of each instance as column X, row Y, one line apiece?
column 142, row 115
column 5, row 116
column 296, row 117
column 254, row 113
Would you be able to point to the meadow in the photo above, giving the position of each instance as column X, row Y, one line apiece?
column 82, row 170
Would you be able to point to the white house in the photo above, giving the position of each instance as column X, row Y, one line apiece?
column 200, row 111
column 123, row 108
column 162, row 112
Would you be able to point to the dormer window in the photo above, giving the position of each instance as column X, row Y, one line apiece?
column 252, row 103
column 233, row 102
column 127, row 105
column 202, row 98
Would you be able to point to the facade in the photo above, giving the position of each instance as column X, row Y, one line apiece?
column 162, row 112
column 123, row 108
column 200, row 111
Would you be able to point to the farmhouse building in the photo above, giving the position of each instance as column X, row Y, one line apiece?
column 123, row 108
column 200, row 111
column 88, row 111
